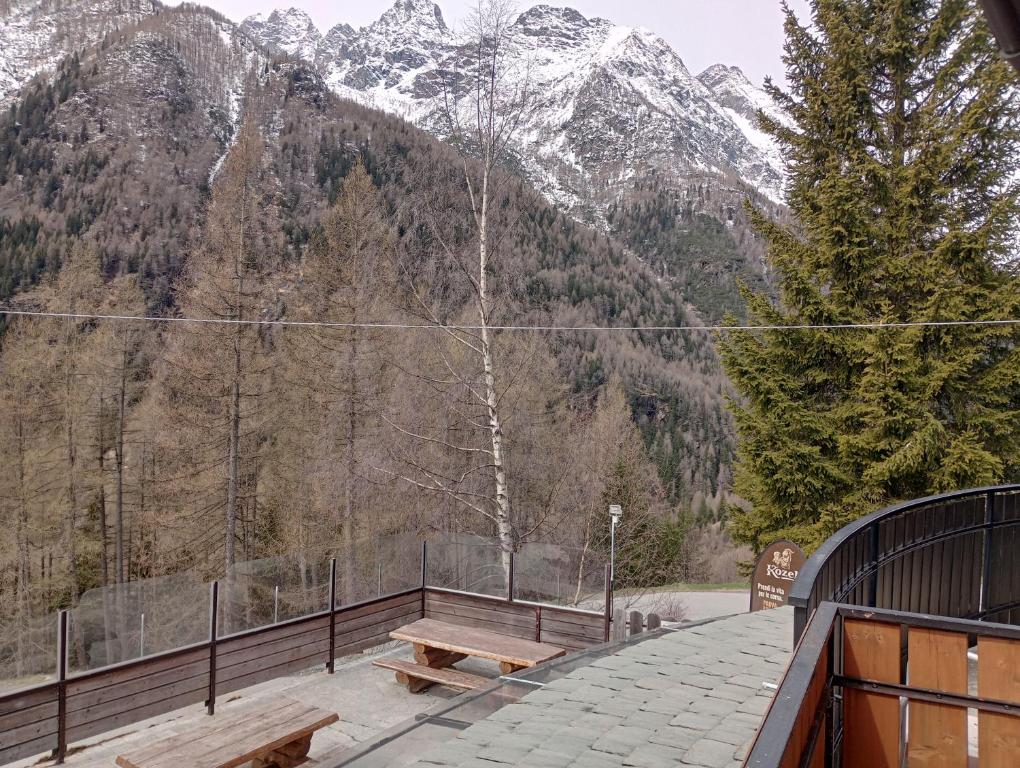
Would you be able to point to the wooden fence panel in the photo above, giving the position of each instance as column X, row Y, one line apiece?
column 871, row 652
column 28, row 723
column 111, row 698
column 938, row 732
column 571, row 629
column 998, row 678
column 363, row 626
column 280, row 650
column 493, row 614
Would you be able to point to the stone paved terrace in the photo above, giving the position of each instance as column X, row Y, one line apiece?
column 690, row 696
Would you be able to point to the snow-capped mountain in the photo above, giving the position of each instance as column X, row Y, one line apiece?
column 613, row 101
column 290, row 32
column 35, row 35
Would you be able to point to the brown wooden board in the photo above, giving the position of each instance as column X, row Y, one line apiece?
column 234, row 739
column 28, row 723
column 871, row 721
column 12, row 752
column 453, row 678
column 937, row 660
column 998, row 678
column 477, row 642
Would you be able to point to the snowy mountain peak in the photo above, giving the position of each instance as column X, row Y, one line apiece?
column 412, row 15
column 289, row 31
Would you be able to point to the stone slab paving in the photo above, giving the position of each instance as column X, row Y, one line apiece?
column 691, row 696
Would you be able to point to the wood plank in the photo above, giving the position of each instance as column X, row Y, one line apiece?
column 871, row 651
column 129, row 716
column 998, row 678
column 138, row 700
column 233, row 740
column 30, row 714
column 453, row 678
column 135, row 685
column 937, row 732
column 28, row 697
column 8, row 754
column 378, row 617
column 497, row 627
column 272, row 634
column 524, row 618
column 477, row 642
column 141, row 668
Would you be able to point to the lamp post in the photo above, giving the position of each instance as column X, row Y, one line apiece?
column 615, row 513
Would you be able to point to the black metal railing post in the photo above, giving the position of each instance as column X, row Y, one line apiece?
column 332, row 616
column 61, row 749
column 214, row 603
column 986, row 554
column 873, row 562
column 424, row 574
column 609, row 605
column 510, row 580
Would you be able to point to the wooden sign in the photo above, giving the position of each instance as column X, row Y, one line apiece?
column 774, row 574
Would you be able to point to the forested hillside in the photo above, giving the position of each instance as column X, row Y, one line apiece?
column 177, row 170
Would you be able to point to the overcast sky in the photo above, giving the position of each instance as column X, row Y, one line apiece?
column 748, row 33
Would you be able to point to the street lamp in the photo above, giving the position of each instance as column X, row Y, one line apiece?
column 615, row 513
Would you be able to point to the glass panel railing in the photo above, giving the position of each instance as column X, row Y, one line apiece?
column 28, row 652
column 127, row 621
column 552, row 573
column 257, row 593
column 467, row 563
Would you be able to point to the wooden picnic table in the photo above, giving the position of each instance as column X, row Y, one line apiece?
column 439, row 645
column 277, row 737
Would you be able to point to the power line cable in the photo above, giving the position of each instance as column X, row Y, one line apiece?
column 519, row 328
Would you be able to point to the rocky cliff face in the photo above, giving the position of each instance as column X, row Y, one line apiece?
column 613, row 103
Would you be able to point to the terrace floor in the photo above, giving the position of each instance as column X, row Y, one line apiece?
column 687, row 696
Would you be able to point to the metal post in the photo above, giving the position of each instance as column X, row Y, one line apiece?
column 424, row 574
column 609, row 603
column 538, row 623
column 141, row 637
column 214, row 601
column 276, row 603
column 510, row 580
column 61, row 749
column 986, row 555
column 873, row 558
column 332, row 615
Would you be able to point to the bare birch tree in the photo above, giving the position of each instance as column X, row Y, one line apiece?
column 482, row 107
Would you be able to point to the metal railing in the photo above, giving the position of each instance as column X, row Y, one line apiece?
column 948, row 555
column 876, row 687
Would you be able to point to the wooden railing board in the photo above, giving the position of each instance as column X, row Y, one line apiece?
column 938, row 733
column 128, row 717
column 871, row 651
column 139, row 699
column 119, row 689
column 119, row 673
column 998, row 678
column 8, row 754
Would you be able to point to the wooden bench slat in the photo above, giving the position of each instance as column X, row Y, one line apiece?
column 233, row 740
column 443, row 675
column 477, row 642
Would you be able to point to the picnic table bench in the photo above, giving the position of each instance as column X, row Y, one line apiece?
column 439, row 645
column 278, row 737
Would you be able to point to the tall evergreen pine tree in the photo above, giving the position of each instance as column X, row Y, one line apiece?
column 902, row 169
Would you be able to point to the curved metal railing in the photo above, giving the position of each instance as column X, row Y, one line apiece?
column 950, row 555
